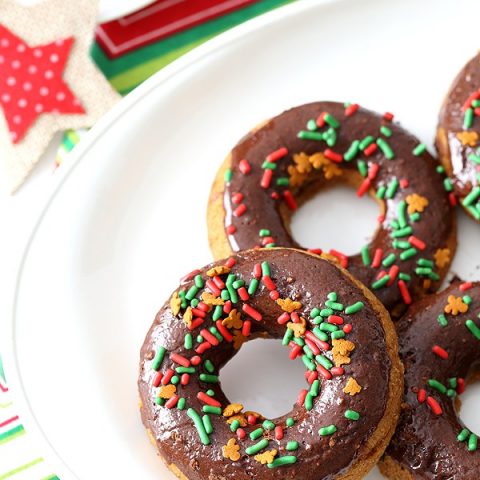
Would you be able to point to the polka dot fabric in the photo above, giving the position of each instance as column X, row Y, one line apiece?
column 31, row 82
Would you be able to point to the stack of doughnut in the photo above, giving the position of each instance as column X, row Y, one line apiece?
column 376, row 390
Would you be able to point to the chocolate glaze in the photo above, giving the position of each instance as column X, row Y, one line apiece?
column 424, row 444
column 308, row 279
column 437, row 222
column 451, row 120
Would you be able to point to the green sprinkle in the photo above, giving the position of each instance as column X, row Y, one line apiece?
column 452, row 382
column 207, row 424
column 282, row 181
column 235, row 425
column 326, row 312
column 194, row 303
column 181, row 403
column 199, row 281
column 362, row 168
column 442, row 320
column 237, row 284
column 331, row 120
column 404, row 276
column 208, row 378
column 315, row 312
column 386, row 148
column 199, row 426
column 188, row 341
column 392, row 188
column 440, row 387
column 334, row 305
column 415, row 217
column 419, row 149
column 175, row 380
column 366, row 142
column 330, row 136
column 447, row 184
column 474, row 211
column 440, row 169
column 199, row 339
column 282, row 461
column 265, row 269
column 338, row 334
column 468, row 119
column 315, row 388
column 352, row 415
column 332, row 296
column 325, row 431
column 308, row 363
column 181, row 294
column 293, row 445
column 402, row 244
column 308, row 404
column 451, row 393
column 225, row 295
column 324, row 361
column 352, row 151
column 269, row 165
column 210, row 393
column 290, row 422
column 366, row 256
column 183, row 370
column 228, row 175
column 472, row 442
column 423, row 262
column 287, row 337
column 160, row 401
column 252, row 288
column 311, row 124
column 355, row 308
column 256, row 433
column 299, row 341
column 472, row 197
column 268, row 425
column 233, row 294
column 474, row 158
column 463, row 435
column 320, row 334
column 470, row 324
column 382, row 282
column 381, row 192
column 389, row 260
column 191, row 292
column 467, row 299
column 213, row 410
column 395, row 224
column 306, row 135
column 216, row 334
column 402, row 214
column 411, row 252
column 157, row 361
column 254, row 449
column 328, row 327
column 264, row 232
column 385, row 131
column 209, row 367
column 403, row 232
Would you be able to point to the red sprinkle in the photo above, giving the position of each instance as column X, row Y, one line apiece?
column 237, row 198
column 190, row 275
column 203, row 347
column 373, row 170
column 348, row 328
column 422, row 395
column 210, row 284
column 404, row 183
column 195, row 360
column 203, row 397
column 295, row 317
column 228, row 306
column 172, row 401
column 289, row 200
column 321, row 120
column 257, row 271
column 168, row 376
column 393, row 272
column 371, row 149
column 283, row 318
column 278, row 432
column 466, row 286
column 246, row 327
column 243, row 294
column 241, row 433
column 364, row 187
column 402, row 286
column 252, row 419
column 324, row 372
column 184, row 379
column 333, row 156
column 295, row 352
column 250, row 311
column 437, row 350
column 335, row 319
column 417, row 243
column 268, row 282
column 301, row 397
column 277, row 154
column 266, row 178
column 377, row 258
column 460, row 386
column 244, row 167
column 209, row 337
column 388, row 116
column 275, row 195
column 311, row 376
column 157, row 379
column 337, row 371
column 274, row 295
column 240, row 210
column 434, row 405
column 342, row 257
column 196, row 322
column 351, row 109
column 230, row 262
column 181, row 360
column 198, row 313
column 203, row 306
column 316, row 251
column 223, row 331
column 312, row 347
column 453, row 199
column 218, row 282
column 321, row 344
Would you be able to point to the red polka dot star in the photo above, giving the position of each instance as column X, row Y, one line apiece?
column 31, row 81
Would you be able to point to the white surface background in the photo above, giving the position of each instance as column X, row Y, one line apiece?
column 130, row 219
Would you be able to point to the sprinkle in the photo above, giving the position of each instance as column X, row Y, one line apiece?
column 212, row 410
column 472, row 197
column 402, row 286
column 381, row 192
column 470, row 324
column 437, row 385
column 439, row 351
column 385, row 148
column 417, row 243
column 370, row 150
column 325, row 431
column 289, row 200
column 254, row 449
column 282, row 461
column 266, row 178
column 181, row 403
column 433, row 404
column 382, row 282
column 157, row 361
column 251, row 312
column 385, row 131
column 466, row 286
column 333, row 156
column 421, row 395
column 228, row 175
column 463, row 435
column 366, row 142
column 388, row 116
column 352, row 415
column 472, row 443
column 389, row 260
column 240, row 210
column 209, row 401
column 176, row 358
column 207, row 424
column 351, row 109
column 392, row 188
column 244, row 167
column 377, row 258
column 407, row 254
column 468, row 119
column 356, row 307
column 352, row 151
column 199, row 426
column 419, row 149
column 290, row 422
column 234, row 426
column 256, row 433
column 331, row 120
column 365, row 255
column 277, row 155
column 208, row 378
column 306, row 135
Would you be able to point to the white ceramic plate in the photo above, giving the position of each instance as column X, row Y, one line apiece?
column 128, row 217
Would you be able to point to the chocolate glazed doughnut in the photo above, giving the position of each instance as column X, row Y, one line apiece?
column 440, row 346
column 342, row 420
column 458, row 140
column 282, row 163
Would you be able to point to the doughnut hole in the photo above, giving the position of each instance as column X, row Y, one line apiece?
column 332, row 216
column 262, row 378
column 467, row 407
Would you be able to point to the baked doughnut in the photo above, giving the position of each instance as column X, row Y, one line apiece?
column 458, row 141
column 439, row 340
column 344, row 418
column 282, row 163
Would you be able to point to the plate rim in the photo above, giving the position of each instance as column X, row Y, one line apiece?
column 79, row 154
